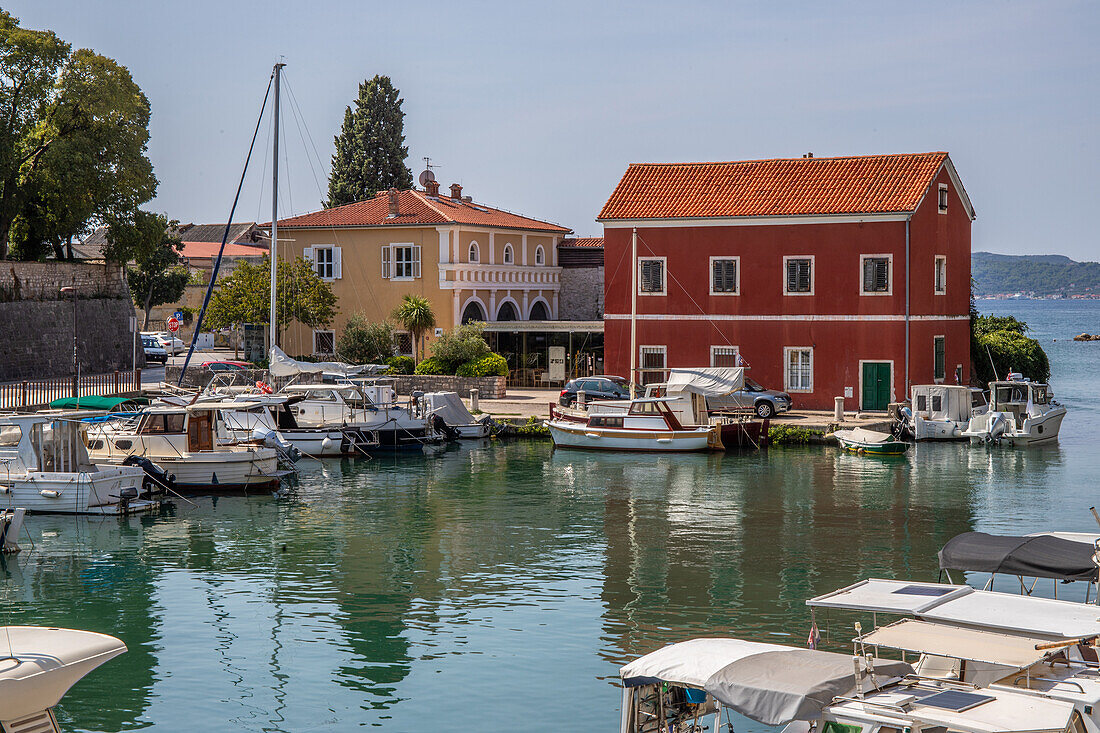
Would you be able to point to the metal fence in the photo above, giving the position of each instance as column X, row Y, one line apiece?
column 38, row 393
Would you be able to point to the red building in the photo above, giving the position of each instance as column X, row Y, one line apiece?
column 828, row 276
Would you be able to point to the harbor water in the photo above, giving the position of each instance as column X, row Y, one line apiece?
column 500, row 586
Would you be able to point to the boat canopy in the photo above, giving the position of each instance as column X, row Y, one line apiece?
column 709, row 382
column 942, row 401
column 449, row 406
column 282, row 365
column 890, row 596
column 690, row 663
column 1039, row 556
column 44, row 663
column 777, row 687
column 96, row 402
column 973, row 645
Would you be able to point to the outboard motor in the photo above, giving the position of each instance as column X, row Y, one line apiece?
column 156, row 478
column 440, row 426
column 271, row 439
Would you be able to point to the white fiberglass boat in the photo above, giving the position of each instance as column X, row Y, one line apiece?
column 1021, row 412
column 943, row 411
column 40, row 666
column 45, row 467
column 181, row 439
column 646, row 425
column 366, row 410
column 269, row 418
column 448, row 406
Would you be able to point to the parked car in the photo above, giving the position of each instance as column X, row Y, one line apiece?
column 764, row 402
column 153, row 350
column 170, row 343
column 599, row 387
column 226, row 365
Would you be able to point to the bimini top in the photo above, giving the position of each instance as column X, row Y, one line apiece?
column 973, row 645
column 709, row 382
column 777, row 687
column 961, row 604
column 690, row 663
column 1038, row 556
column 44, row 663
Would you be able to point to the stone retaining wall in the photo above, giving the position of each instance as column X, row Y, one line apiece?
column 493, row 388
column 44, row 280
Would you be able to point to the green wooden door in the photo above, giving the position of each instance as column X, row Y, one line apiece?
column 876, row 385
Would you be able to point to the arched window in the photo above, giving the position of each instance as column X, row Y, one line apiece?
column 475, row 252
column 540, row 256
column 507, row 312
column 508, row 254
column 539, row 312
column 473, row 312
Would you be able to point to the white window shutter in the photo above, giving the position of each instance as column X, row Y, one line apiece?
column 336, row 270
column 416, row 261
column 385, row 261
column 307, row 255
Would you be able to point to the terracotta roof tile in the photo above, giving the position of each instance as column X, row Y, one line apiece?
column 416, row 207
column 202, row 250
column 778, row 187
column 582, row 242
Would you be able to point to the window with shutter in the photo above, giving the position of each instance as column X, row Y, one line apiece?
column 723, row 276
column 799, row 275
column 876, row 274
column 653, row 357
column 651, row 276
column 337, row 264
column 387, row 261
column 939, row 352
column 416, row 261
column 941, row 275
column 324, row 262
column 943, row 198
column 799, row 369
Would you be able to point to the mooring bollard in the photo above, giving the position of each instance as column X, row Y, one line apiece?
column 838, row 409
column 580, row 398
column 473, row 399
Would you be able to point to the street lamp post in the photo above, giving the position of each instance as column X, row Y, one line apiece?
column 76, row 358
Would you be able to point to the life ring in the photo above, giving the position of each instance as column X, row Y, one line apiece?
column 264, row 387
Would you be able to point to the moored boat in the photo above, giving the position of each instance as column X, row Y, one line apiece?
column 647, row 424
column 1021, row 413
column 942, row 411
column 872, row 442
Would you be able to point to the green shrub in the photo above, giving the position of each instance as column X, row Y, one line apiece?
column 493, row 365
column 1003, row 341
column 400, row 365
column 364, row 342
column 432, row 365
column 533, row 428
column 783, row 434
column 465, row 343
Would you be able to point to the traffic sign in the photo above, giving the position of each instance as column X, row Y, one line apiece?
column 173, row 324
column 178, row 315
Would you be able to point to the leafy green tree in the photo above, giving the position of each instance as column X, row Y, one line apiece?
column 73, row 134
column 416, row 316
column 363, row 342
column 370, row 149
column 157, row 276
column 1002, row 342
column 465, row 343
column 244, row 296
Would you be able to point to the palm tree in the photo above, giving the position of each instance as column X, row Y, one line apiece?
column 415, row 314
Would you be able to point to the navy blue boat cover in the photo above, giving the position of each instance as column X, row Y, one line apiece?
column 1040, row 556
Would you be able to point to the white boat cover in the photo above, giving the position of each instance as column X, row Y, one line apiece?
column 282, row 365
column 890, row 596
column 953, row 402
column 777, row 687
column 449, row 406
column 709, row 382
column 973, row 645
column 690, row 663
column 862, row 435
column 47, row 662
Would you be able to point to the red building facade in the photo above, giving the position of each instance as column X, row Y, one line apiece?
column 827, row 276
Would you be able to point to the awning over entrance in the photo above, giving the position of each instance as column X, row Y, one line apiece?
column 544, row 327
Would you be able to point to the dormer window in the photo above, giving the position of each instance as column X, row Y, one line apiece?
column 508, row 257
column 943, row 198
column 475, row 252
column 540, row 256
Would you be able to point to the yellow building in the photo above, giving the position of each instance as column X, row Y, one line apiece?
column 471, row 261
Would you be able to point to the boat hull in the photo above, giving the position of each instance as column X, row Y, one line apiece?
column 91, row 492
column 1038, row 430
column 568, row 434
column 894, row 448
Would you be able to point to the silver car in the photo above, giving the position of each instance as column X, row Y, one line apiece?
column 764, row 402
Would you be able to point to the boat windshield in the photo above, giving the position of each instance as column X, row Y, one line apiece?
column 1011, row 394
column 1040, row 394
column 159, row 423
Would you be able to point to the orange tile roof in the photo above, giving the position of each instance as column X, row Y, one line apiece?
column 209, row 250
column 777, row 187
column 582, row 242
column 417, row 207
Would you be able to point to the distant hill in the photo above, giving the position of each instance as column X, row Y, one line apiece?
column 1036, row 275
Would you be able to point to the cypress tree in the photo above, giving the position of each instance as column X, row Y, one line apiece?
column 370, row 149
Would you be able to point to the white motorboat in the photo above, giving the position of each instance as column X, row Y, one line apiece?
column 1021, row 412
column 687, row 392
column 448, row 406
column 182, row 440
column 943, row 411
column 269, row 419
column 690, row 685
column 647, row 424
column 45, row 467
column 40, row 666
column 367, row 411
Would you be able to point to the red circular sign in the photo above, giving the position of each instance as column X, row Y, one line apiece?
column 173, row 325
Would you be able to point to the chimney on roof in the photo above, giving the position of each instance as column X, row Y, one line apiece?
column 392, row 195
column 432, row 188
column 456, row 191
column 808, row 155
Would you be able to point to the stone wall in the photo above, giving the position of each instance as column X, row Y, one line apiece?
column 488, row 387
column 581, row 294
column 36, row 320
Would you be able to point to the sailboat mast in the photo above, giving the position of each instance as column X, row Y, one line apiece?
column 633, row 309
column 272, row 315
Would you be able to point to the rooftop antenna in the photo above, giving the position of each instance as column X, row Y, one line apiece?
column 427, row 176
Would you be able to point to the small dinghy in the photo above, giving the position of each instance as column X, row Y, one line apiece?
column 861, row 440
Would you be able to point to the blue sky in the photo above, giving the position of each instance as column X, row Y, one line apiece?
column 539, row 107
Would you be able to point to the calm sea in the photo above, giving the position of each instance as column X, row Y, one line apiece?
column 500, row 587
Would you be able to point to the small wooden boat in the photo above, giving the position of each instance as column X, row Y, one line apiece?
column 646, row 425
column 861, row 440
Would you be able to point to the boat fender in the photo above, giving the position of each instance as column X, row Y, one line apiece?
column 50, row 493
column 5, row 489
